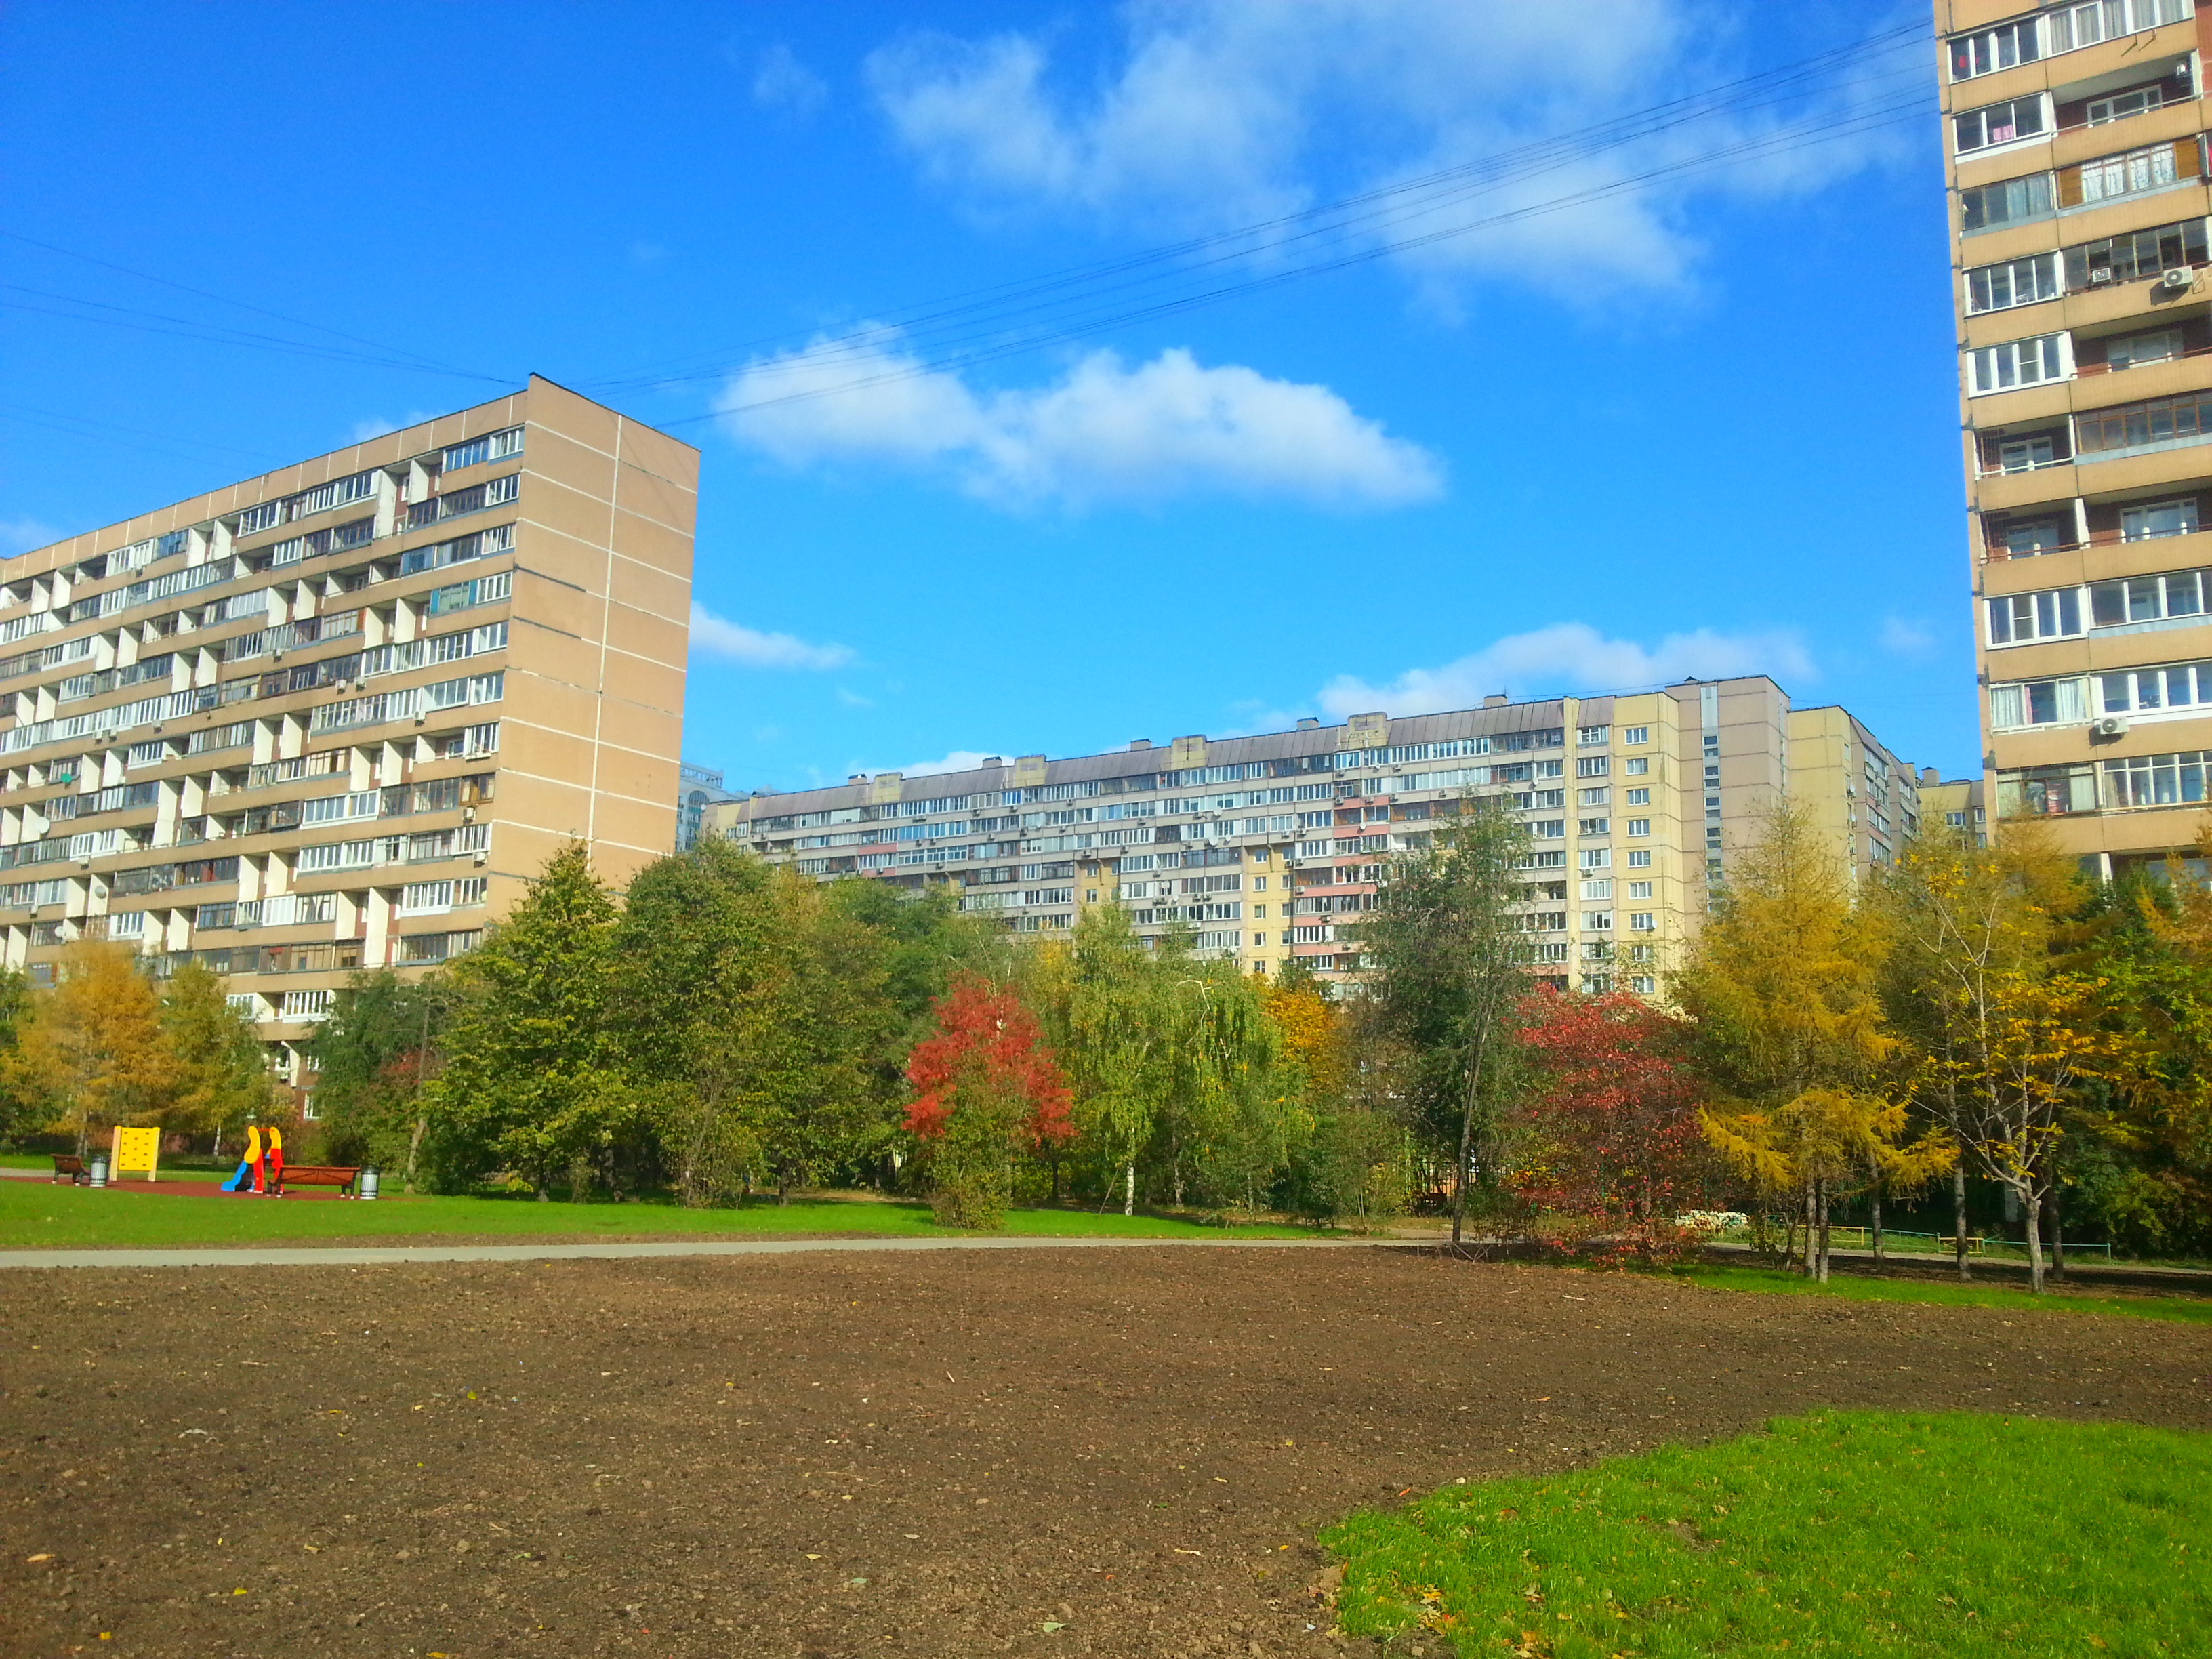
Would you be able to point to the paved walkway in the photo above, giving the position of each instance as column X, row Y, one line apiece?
column 357, row 1256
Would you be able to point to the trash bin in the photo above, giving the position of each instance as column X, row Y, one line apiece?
column 364, row 1185
column 97, row 1166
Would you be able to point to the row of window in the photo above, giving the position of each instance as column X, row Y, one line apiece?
column 2058, row 613
column 2071, row 699
column 2085, row 184
column 2133, row 256
column 2055, row 31
column 2105, row 434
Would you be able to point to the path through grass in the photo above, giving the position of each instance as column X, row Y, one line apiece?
column 1852, row 1287
column 1844, row 1533
column 35, row 1215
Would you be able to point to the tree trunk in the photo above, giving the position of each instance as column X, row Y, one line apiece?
column 1959, row 1217
column 2057, row 1236
column 1465, row 1141
column 2030, row 1206
column 1129, row 1188
column 782, row 1188
column 1875, row 1197
column 1812, row 1219
column 1823, row 1186
column 414, row 1147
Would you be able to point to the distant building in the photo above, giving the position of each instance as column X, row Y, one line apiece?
column 1267, row 845
column 335, row 717
column 698, row 788
column 1956, row 806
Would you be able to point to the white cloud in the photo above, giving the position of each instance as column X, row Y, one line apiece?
column 853, row 699
column 1212, row 113
column 1907, row 639
column 21, row 535
column 1572, row 656
column 1103, row 432
column 376, row 426
column 717, row 637
column 781, row 82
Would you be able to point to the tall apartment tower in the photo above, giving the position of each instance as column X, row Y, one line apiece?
column 2075, row 154
column 334, row 717
column 1266, row 847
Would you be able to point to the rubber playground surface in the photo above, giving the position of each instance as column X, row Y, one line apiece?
column 1109, row 1451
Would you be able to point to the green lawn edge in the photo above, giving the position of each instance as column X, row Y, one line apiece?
column 38, row 1215
column 1839, row 1533
column 1855, row 1287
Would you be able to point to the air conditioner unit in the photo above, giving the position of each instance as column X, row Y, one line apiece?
column 2111, row 725
column 2177, row 280
column 2101, row 274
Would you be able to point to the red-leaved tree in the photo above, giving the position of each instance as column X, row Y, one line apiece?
column 986, row 1091
column 1609, row 1150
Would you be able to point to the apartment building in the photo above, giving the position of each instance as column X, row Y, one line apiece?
column 2075, row 158
column 1955, row 805
column 701, row 787
column 334, row 717
column 1268, row 846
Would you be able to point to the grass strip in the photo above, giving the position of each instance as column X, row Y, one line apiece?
column 1853, row 1287
column 35, row 1215
column 1841, row 1533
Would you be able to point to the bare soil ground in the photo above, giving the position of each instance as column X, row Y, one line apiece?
column 1042, row 1453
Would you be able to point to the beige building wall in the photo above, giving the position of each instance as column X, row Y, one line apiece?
column 2087, row 477
column 335, row 716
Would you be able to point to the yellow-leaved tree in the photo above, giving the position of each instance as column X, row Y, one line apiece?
column 1788, row 1030
column 93, row 1049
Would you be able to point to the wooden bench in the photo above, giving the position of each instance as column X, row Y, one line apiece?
column 339, row 1176
column 66, row 1164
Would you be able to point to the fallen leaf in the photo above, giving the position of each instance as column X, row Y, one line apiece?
column 1052, row 1625
column 43, row 1555
column 1182, row 1551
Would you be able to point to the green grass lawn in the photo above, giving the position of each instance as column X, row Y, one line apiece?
column 1852, row 1287
column 36, row 1215
column 1844, row 1533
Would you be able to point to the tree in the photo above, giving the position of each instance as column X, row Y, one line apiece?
column 221, row 1070
column 1607, row 1142
column 1786, row 1024
column 92, row 1051
column 531, row 1077
column 20, row 1113
column 374, row 1058
column 985, row 1089
column 1448, row 955
column 2005, row 1038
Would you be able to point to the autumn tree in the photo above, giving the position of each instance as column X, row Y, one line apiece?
column 222, row 1076
column 985, row 1091
column 374, row 1059
column 1786, row 1026
column 1447, row 956
column 1607, row 1142
column 91, row 1051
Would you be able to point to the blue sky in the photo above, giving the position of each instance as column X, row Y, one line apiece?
column 1701, row 424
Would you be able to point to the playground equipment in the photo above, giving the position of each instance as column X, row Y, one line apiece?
column 248, row 1177
column 134, row 1152
column 262, row 1169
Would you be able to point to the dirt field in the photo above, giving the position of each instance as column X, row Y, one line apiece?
column 859, row 1454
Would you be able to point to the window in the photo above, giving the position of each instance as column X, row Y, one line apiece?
column 2071, row 27
column 2000, row 48
column 2147, row 599
column 1597, row 921
column 2183, row 419
column 2011, row 202
column 2141, row 780
column 1639, row 859
column 1600, row 889
column 2143, row 524
column 1639, row 797
column 497, row 446
column 2147, row 690
column 1597, row 858
column 2016, row 282
column 1594, row 797
column 1640, row 827
column 2138, row 254
column 1633, row 735
column 1595, row 827
column 1639, row 889
column 1640, row 922
column 2038, row 702
column 2024, row 454
column 2029, row 540
column 2133, row 350
column 2019, row 617
column 1591, row 736
column 2121, row 105
column 1639, row 766
column 1592, row 766
column 2020, row 362
column 1998, row 124
column 2114, row 176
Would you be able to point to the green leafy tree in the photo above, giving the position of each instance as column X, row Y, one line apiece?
column 531, row 1078
column 20, row 1113
column 221, row 1077
column 374, row 1059
column 91, row 1051
column 1447, row 958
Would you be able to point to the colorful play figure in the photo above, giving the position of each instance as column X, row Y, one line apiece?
column 272, row 1162
column 248, row 1178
